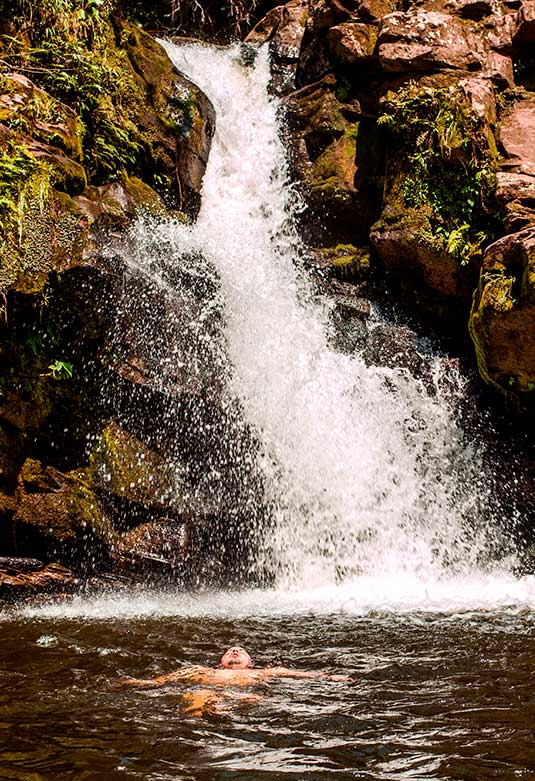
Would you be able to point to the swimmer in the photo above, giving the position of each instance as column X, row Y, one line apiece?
column 236, row 668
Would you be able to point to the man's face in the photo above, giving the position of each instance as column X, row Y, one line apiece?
column 236, row 658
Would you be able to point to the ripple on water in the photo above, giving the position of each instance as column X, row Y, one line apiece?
column 436, row 696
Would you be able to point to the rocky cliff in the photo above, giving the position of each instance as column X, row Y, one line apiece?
column 410, row 135
column 412, row 129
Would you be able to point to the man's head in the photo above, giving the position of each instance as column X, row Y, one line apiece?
column 236, row 658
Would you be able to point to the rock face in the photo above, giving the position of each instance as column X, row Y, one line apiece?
column 411, row 130
column 503, row 314
column 58, row 162
column 80, row 157
column 23, row 578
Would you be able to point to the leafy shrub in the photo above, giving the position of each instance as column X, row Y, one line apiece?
column 447, row 164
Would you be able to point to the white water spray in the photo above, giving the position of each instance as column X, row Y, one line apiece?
column 366, row 473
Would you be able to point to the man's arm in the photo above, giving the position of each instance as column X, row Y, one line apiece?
column 284, row 672
column 154, row 683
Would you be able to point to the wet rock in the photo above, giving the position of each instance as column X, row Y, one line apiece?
column 198, row 127
column 503, row 314
column 344, row 262
column 176, row 120
column 114, row 205
column 284, row 27
column 352, row 307
column 156, row 548
column 17, row 583
column 393, row 346
column 58, row 515
column 420, row 262
column 130, row 470
column 20, row 564
column 336, row 180
column 181, row 309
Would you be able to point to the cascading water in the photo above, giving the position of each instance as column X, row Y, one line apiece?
column 365, row 472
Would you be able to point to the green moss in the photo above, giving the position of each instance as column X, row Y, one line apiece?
column 111, row 74
column 124, row 466
column 445, row 167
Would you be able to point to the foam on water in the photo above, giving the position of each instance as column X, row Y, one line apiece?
column 361, row 597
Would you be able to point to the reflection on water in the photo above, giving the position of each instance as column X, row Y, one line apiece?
column 433, row 696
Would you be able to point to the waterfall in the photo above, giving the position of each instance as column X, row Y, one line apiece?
column 365, row 472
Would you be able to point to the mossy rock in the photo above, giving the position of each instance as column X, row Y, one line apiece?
column 347, row 262
column 439, row 210
column 58, row 515
column 503, row 316
column 124, row 467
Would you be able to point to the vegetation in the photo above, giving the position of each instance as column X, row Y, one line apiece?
column 449, row 166
column 66, row 47
column 229, row 18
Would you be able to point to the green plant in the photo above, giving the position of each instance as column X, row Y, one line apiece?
column 447, row 166
column 60, row 370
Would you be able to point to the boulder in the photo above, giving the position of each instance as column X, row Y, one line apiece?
column 421, row 41
column 18, row 582
column 39, row 115
column 503, row 314
column 393, row 346
column 352, row 43
column 179, row 307
column 284, row 27
column 517, row 137
column 419, row 261
column 57, row 515
column 501, row 29
column 327, row 13
column 124, row 467
column 515, row 193
column 159, row 548
column 337, row 181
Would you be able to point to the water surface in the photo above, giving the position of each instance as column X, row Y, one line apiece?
column 446, row 695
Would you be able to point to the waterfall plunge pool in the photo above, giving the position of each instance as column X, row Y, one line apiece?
column 433, row 695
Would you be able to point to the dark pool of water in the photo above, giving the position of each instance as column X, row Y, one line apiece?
column 432, row 697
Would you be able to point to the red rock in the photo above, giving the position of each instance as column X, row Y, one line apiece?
column 17, row 583
column 517, row 137
column 503, row 313
column 327, row 13
column 482, row 99
column 352, row 42
column 502, row 29
column 425, row 41
column 516, row 195
column 525, row 31
column 284, row 27
column 499, row 68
